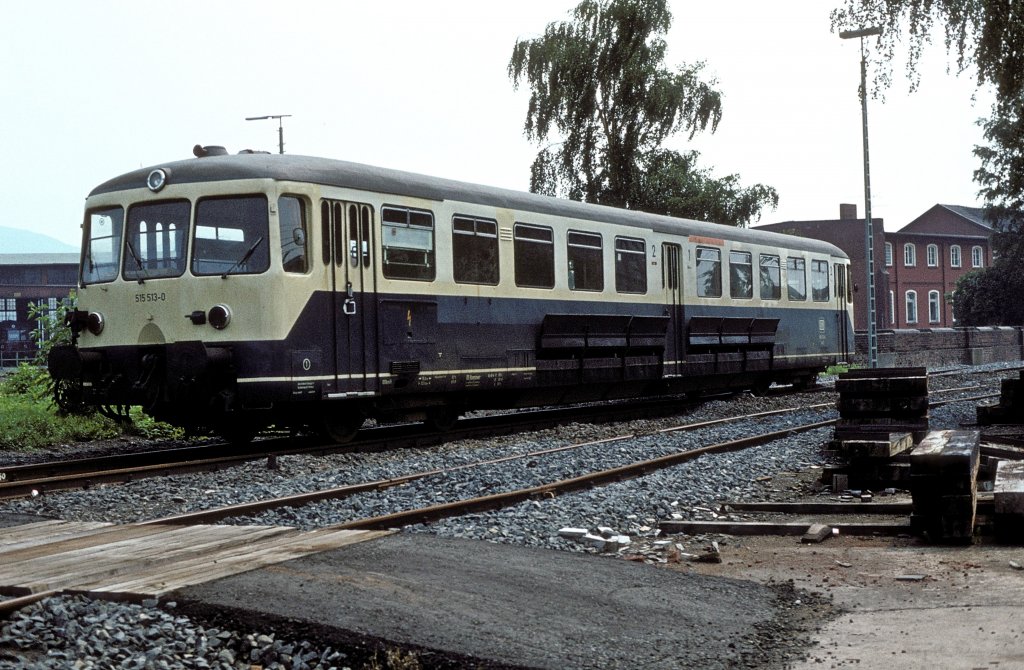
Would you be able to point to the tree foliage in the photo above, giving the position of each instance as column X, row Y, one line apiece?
column 603, row 102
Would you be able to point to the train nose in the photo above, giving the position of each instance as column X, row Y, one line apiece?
column 151, row 334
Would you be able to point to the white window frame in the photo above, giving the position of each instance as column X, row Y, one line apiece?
column 956, row 257
column 932, row 255
column 909, row 255
column 977, row 257
column 910, row 304
column 892, row 309
column 934, row 307
column 888, row 254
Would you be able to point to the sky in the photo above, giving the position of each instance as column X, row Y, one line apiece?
column 91, row 90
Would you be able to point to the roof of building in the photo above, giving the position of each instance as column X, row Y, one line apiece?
column 39, row 259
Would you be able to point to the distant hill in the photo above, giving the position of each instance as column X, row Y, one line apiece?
column 18, row 241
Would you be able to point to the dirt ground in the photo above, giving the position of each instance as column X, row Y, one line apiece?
column 905, row 604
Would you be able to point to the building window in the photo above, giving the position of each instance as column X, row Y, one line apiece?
column 586, row 263
column 888, row 254
column 741, row 274
column 534, row 251
column 911, row 307
column 796, row 278
column 909, row 255
column 933, row 307
column 819, row 281
column 933, row 255
column 892, row 309
column 408, row 243
column 977, row 257
column 709, row 272
column 8, row 309
column 954, row 256
column 630, row 265
column 474, row 250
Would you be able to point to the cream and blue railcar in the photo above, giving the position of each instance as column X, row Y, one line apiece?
column 234, row 292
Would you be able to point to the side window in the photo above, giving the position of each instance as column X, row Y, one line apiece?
column 796, row 278
column 407, row 238
column 932, row 253
column 741, row 274
column 709, row 272
column 954, row 256
column 911, row 298
column 888, row 254
column 977, row 257
column 294, row 246
column 934, row 307
column 771, row 277
column 819, row 281
column 534, row 251
column 586, row 262
column 475, row 250
column 630, row 265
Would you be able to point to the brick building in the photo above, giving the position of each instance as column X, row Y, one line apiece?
column 916, row 267
column 925, row 258
column 43, row 279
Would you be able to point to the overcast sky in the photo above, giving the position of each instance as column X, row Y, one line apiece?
column 95, row 89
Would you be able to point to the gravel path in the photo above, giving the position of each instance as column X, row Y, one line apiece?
column 104, row 635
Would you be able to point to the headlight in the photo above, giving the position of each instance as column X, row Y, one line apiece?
column 156, row 180
column 219, row 316
column 94, row 322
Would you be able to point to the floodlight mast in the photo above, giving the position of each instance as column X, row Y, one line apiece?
column 280, row 127
column 869, row 237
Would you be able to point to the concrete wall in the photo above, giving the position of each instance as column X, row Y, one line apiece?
column 943, row 346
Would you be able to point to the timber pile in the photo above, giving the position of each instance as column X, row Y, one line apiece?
column 943, row 485
column 1011, row 404
column 881, row 411
column 1008, row 497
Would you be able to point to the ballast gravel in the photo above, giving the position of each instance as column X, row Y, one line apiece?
column 68, row 632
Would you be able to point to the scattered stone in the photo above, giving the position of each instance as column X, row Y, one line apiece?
column 817, row 533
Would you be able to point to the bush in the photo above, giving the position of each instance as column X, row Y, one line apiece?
column 28, row 423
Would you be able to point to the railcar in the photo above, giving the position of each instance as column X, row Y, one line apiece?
column 231, row 292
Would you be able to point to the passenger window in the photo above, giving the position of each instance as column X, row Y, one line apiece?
column 771, row 277
column 741, row 274
column 630, row 265
column 408, row 242
column 534, row 251
column 586, row 264
column 231, row 236
column 475, row 250
column 709, row 272
column 796, row 278
column 292, row 223
column 819, row 281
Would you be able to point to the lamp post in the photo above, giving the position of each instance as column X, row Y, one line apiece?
column 280, row 127
column 869, row 237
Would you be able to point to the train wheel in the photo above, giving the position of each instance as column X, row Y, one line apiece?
column 341, row 429
column 441, row 419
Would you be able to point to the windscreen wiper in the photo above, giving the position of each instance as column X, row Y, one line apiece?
column 138, row 263
column 243, row 259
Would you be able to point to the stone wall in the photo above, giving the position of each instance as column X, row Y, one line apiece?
column 943, row 346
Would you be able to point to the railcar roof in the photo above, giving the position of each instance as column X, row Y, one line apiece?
column 344, row 174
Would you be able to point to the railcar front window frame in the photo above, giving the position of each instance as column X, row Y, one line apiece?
column 231, row 235
column 155, row 239
column 101, row 253
column 294, row 234
column 407, row 239
column 475, row 250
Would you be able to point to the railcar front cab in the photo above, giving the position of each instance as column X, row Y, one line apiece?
column 172, row 280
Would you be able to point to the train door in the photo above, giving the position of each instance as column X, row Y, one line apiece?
column 842, row 298
column 350, row 228
column 672, row 284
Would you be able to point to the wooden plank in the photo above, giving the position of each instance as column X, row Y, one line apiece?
column 765, row 528
column 87, row 537
column 17, row 533
column 823, row 508
column 233, row 561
